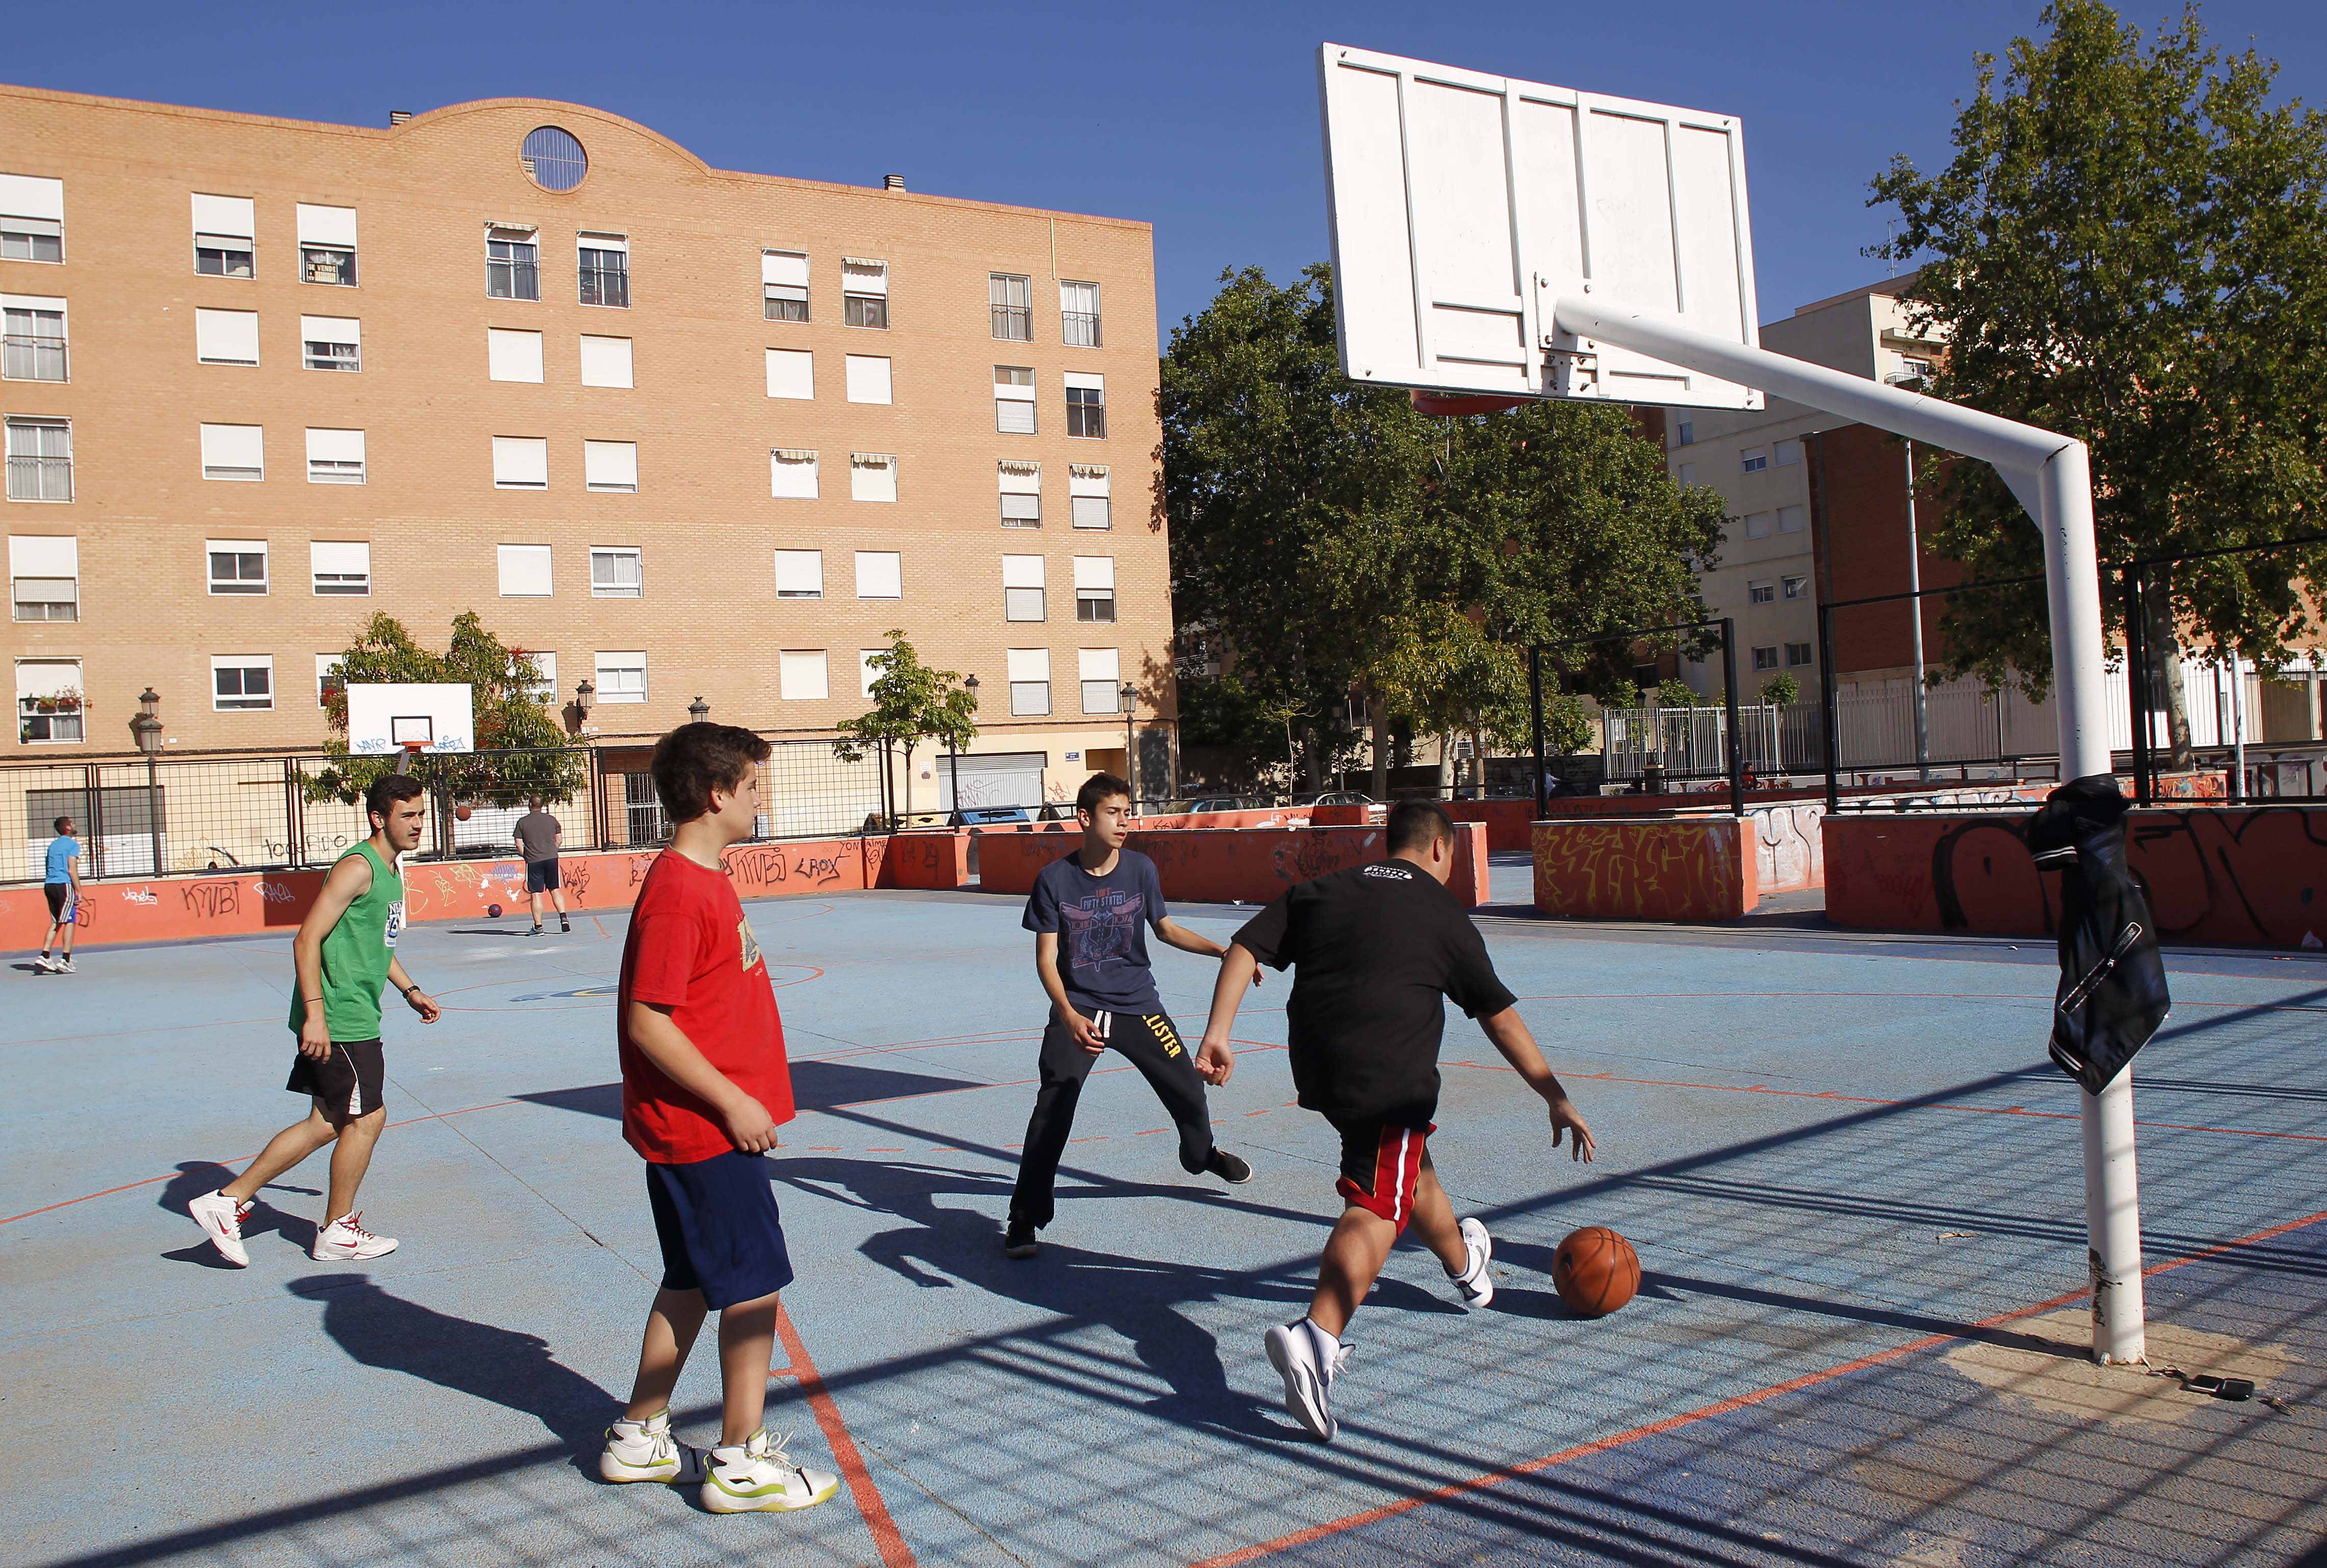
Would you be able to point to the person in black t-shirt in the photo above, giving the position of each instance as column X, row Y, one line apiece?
column 1374, row 949
column 1089, row 912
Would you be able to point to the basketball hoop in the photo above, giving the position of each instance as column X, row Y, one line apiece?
column 412, row 733
column 1457, row 403
column 409, row 753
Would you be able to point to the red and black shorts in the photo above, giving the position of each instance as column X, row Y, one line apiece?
column 1382, row 1161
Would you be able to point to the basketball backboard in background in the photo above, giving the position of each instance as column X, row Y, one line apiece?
column 1462, row 205
column 384, row 717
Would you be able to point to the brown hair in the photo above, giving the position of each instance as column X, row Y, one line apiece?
column 386, row 791
column 694, row 760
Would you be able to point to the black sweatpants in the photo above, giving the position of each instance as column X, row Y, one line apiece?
column 1155, row 1048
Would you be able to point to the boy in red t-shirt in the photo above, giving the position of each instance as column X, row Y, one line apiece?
column 705, row 1084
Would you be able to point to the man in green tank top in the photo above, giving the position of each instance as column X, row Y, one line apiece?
column 344, row 952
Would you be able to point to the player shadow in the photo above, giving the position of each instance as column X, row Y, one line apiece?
column 196, row 1177
column 817, row 1086
column 500, row 1365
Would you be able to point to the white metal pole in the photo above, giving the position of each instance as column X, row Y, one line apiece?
column 1915, row 612
column 2052, row 476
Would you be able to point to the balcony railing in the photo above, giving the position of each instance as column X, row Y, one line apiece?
column 33, row 357
column 1079, row 329
column 40, row 479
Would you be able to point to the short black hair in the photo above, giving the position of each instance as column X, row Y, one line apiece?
column 1098, row 789
column 387, row 791
column 695, row 759
column 1418, row 825
column 62, row 823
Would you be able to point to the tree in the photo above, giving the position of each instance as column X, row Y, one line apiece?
column 1566, row 727
column 1782, row 689
column 1673, row 692
column 912, row 703
column 521, row 750
column 2130, row 246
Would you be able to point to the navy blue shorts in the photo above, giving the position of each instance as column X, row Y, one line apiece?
column 541, row 875
column 717, row 1220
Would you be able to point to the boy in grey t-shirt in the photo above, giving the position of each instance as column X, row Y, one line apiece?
column 536, row 839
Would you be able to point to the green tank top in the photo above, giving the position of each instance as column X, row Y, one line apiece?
column 356, row 953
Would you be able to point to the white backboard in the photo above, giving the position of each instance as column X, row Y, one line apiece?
column 379, row 714
column 1464, row 205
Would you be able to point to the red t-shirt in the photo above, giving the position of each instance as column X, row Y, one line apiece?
column 691, row 949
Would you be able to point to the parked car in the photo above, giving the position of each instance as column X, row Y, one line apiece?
column 1333, row 797
column 1226, row 803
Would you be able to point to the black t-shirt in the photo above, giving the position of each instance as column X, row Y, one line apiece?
column 1102, row 925
column 1375, row 947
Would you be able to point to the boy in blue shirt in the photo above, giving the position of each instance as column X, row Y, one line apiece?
column 1091, row 910
column 62, row 884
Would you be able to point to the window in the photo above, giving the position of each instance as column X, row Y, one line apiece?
column 791, row 474
column 1765, row 659
column 614, row 571
column 339, row 568
column 234, row 451
column 605, row 361
column 604, row 265
column 1014, row 399
column 802, row 675
column 44, row 576
column 512, row 264
column 1012, row 301
column 31, row 218
column 1785, row 454
column 520, row 462
column 866, row 671
column 1095, row 588
column 879, row 574
column 1022, row 494
column 332, row 343
column 1686, row 432
column 40, row 459
column 1086, row 404
column 1029, row 682
column 327, row 244
column 1793, row 519
column 226, row 336
column 868, row 379
column 783, row 285
column 799, row 574
column 543, row 685
column 553, row 159
column 1760, row 592
column 622, row 678
column 331, row 678
column 237, row 566
column 611, row 465
column 223, row 226
column 32, row 347
column 1021, row 588
column 524, row 571
column 1686, row 475
column 242, row 680
column 1757, row 525
column 1798, row 654
column 1797, row 587
column 49, row 702
column 1100, row 670
column 512, row 355
column 1078, row 315
column 863, row 293
column 791, row 373
column 872, row 476
column 1086, row 485
column 335, row 456
column 1753, row 459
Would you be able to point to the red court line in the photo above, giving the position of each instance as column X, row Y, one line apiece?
column 1875, row 996
column 1719, row 1407
column 886, row 1537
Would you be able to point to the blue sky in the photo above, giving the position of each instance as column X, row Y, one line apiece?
column 1198, row 116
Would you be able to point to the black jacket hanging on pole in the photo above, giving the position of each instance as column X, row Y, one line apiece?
column 2113, row 995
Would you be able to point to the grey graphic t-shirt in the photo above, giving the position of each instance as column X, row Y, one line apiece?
column 1102, row 925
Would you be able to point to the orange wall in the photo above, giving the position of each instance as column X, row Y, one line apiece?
column 1686, row 868
column 1221, row 865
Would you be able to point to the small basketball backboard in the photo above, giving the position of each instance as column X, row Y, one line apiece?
column 390, row 716
column 1462, row 205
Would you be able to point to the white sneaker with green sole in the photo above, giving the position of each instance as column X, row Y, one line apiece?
column 645, row 1451
column 758, row 1475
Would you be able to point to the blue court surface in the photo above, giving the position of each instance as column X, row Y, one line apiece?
column 1853, row 1180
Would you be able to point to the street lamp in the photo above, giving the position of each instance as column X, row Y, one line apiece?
column 585, row 697
column 699, row 711
column 953, row 757
column 1130, row 698
column 147, row 727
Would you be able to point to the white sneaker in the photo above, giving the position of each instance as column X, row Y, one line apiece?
column 758, row 1475
column 1473, row 1282
column 1308, row 1358
column 345, row 1240
column 645, row 1451
column 45, row 965
column 222, row 1217
column 64, row 966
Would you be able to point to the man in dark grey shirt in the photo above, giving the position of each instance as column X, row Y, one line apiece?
column 537, row 840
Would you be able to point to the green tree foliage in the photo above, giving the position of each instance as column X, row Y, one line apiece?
column 912, row 703
column 1568, row 728
column 521, row 750
column 1337, row 541
column 1673, row 692
column 2130, row 246
column 1782, row 689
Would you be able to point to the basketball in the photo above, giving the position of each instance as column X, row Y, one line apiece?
column 460, row 814
column 1595, row 1271
column 494, row 910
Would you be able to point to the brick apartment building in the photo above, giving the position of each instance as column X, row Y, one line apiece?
column 686, row 432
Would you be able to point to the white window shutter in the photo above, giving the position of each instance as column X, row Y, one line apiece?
column 879, row 574
column 611, row 465
column 1029, row 663
column 226, row 336
column 786, row 268
column 333, row 226
column 1085, row 380
column 1022, row 571
column 234, row 446
column 33, row 196
column 1098, row 664
column 803, row 674
column 1095, row 572
column 340, row 557
column 791, row 373
column 799, row 573
column 335, row 446
column 512, row 355
column 791, row 474
column 605, row 361
column 868, row 379
column 229, row 217
column 43, row 554
column 524, row 571
column 521, row 462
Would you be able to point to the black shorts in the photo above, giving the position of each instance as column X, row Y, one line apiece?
column 541, row 875
column 1381, row 1163
column 720, row 1233
column 347, row 1082
column 60, row 896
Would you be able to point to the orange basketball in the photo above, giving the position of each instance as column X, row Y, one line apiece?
column 461, row 813
column 1595, row 1271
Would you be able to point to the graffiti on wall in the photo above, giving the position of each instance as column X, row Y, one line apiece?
column 1684, row 869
